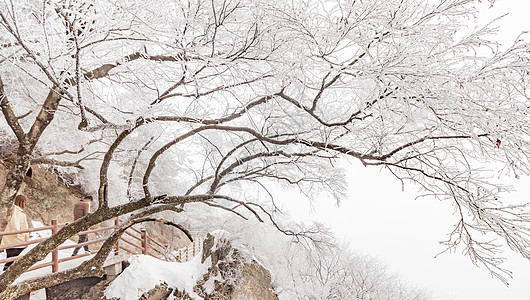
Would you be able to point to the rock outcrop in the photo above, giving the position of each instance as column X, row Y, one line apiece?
column 224, row 272
column 48, row 196
column 233, row 274
column 161, row 291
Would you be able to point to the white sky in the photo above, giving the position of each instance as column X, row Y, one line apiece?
column 380, row 220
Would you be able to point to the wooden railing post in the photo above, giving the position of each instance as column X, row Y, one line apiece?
column 55, row 252
column 144, row 241
column 117, row 246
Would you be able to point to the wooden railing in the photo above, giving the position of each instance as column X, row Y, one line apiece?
column 187, row 253
column 136, row 241
column 133, row 241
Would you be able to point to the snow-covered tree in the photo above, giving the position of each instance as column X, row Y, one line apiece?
column 158, row 104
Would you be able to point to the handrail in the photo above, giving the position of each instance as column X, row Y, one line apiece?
column 184, row 255
column 11, row 232
column 135, row 230
column 81, row 244
column 159, row 251
column 134, row 236
column 123, row 248
column 151, row 254
column 145, row 242
column 20, row 245
column 155, row 241
column 40, row 266
column 5, row 260
column 73, row 257
column 95, row 230
column 149, row 245
column 130, row 243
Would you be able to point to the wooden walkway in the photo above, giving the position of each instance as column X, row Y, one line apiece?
column 134, row 241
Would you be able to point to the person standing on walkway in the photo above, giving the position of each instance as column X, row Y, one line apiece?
column 18, row 221
column 81, row 209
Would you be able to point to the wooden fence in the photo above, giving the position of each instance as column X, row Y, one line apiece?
column 133, row 241
column 187, row 253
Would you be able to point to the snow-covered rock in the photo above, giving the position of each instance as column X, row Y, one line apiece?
column 221, row 271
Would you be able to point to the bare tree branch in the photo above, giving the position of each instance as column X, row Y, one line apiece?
column 49, row 161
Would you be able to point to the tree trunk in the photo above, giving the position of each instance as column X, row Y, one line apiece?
column 14, row 183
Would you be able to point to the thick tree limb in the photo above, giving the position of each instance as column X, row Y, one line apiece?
column 9, row 115
column 45, row 116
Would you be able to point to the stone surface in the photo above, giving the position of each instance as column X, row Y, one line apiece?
column 234, row 275
column 159, row 292
column 48, row 196
column 38, row 295
column 113, row 270
column 181, row 295
column 255, row 283
column 82, row 289
column 3, row 175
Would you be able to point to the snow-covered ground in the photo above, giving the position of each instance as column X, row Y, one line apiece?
column 145, row 272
